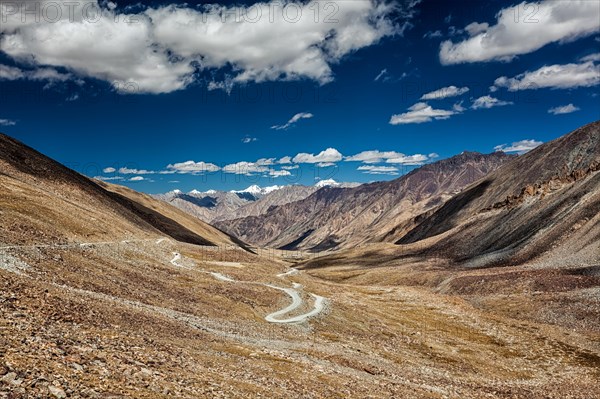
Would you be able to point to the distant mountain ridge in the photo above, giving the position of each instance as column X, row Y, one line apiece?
column 335, row 217
column 213, row 206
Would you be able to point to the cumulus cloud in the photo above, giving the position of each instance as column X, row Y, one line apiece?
column 564, row 109
column 519, row 147
column 293, row 120
column 487, row 102
column 279, row 173
column 10, row 73
column 160, row 50
column 285, row 160
column 137, row 178
column 191, row 167
column 373, row 156
column 128, row 171
column 565, row 76
column 592, row 57
column 41, row 74
column 109, row 170
column 421, row 113
column 111, row 178
column 329, row 155
column 474, row 28
column 432, row 35
column 266, row 161
column 245, row 168
column 522, row 29
column 7, row 122
column 410, row 160
column 458, row 107
column 378, row 170
column 445, row 92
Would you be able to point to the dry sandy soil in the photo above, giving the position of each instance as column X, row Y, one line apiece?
column 119, row 320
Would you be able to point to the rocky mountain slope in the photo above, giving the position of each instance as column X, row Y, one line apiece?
column 343, row 217
column 545, row 203
column 43, row 202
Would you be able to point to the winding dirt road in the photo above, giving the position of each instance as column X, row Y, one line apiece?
column 278, row 316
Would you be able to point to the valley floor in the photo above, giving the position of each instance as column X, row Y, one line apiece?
column 155, row 318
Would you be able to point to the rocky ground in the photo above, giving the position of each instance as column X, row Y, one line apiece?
column 99, row 321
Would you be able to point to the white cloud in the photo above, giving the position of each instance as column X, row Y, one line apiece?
column 327, row 156
column 10, row 73
column 520, row 147
column 109, row 170
column 378, row 170
column 158, row 50
column 191, row 167
column 474, row 28
column 249, row 139
column 245, row 168
column 266, row 161
column 445, row 92
column 522, row 29
column 417, row 159
column 421, row 113
column 137, row 178
column 458, row 107
column 128, row 171
column 454, row 31
column 293, row 120
column 285, row 160
column 292, row 167
column 374, row 156
column 432, row 35
column 279, row 173
column 592, row 57
column 487, row 102
column 564, row 109
column 104, row 178
column 41, row 74
column 7, row 122
column 554, row 77
column 383, row 76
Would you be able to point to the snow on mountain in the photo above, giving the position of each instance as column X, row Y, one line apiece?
column 333, row 183
column 327, row 183
column 257, row 190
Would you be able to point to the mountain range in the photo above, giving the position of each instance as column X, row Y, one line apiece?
column 542, row 207
column 212, row 205
column 393, row 289
column 336, row 217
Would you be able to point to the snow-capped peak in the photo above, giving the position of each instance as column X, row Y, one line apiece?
column 327, row 183
column 270, row 189
column 176, row 191
column 253, row 190
column 257, row 190
column 195, row 192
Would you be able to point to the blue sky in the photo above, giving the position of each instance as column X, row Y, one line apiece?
column 273, row 100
